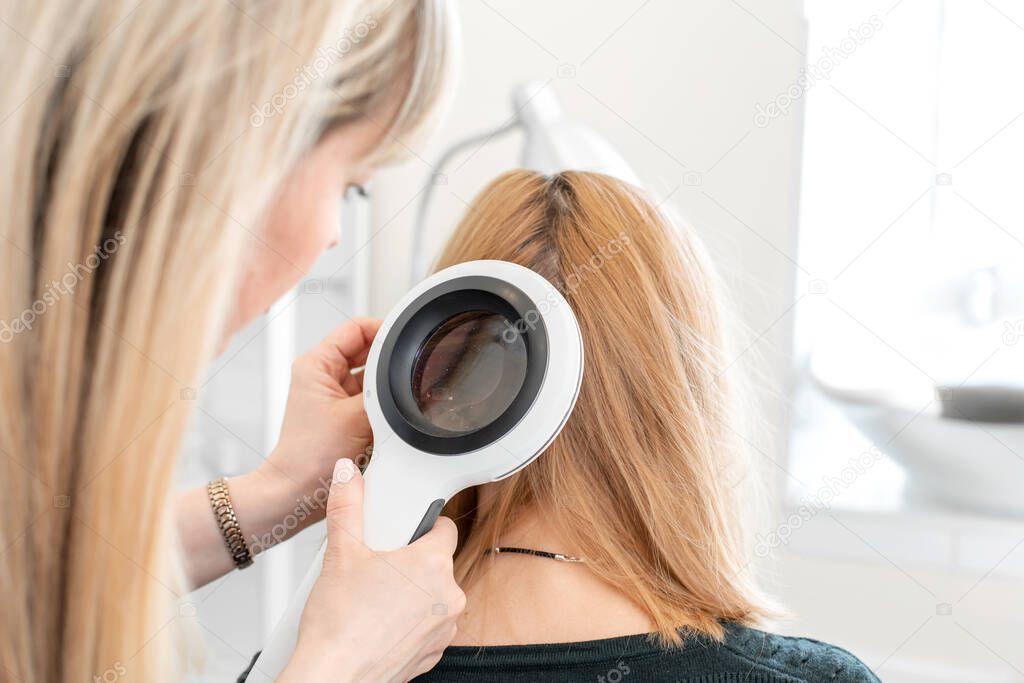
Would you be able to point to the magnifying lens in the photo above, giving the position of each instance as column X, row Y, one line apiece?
column 469, row 379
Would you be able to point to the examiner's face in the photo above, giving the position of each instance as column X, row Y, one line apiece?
column 305, row 218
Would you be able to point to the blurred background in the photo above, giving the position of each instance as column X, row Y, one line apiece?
column 854, row 170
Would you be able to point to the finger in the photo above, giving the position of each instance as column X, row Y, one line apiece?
column 345, row 506
column 425, row 664
column 352, row 340
column 350, row 383
column 346, row 347
column 444, row 535
column 352, row 414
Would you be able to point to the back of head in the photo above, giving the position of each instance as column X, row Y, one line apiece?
column 644, row 480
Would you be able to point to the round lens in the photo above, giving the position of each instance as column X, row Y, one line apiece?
column 468, row 372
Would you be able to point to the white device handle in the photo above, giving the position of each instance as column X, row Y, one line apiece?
column 398, row 508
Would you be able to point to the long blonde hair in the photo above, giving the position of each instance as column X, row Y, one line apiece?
column 142, row 144
column 645, row 480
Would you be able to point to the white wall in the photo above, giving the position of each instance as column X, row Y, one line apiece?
column 673, row 85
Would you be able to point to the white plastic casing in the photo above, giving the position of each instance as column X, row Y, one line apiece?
column 402, row 481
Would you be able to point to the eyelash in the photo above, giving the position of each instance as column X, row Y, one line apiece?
column 358, row 189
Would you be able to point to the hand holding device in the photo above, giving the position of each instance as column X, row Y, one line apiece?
column 400, row 607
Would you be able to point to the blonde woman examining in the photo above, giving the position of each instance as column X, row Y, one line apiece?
column 620, row 554
column 169, row 170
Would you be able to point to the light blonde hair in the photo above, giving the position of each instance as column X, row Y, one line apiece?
column 143, row 143
column 645, row 480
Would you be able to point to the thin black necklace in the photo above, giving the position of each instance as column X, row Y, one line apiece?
column 536, row 553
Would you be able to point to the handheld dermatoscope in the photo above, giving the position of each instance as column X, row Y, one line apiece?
column 469, row 379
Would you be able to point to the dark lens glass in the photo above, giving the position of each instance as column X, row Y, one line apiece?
column 468, row 372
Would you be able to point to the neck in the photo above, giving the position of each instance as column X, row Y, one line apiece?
column 522, row 599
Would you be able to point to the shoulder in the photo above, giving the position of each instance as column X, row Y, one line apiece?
column 803, row 659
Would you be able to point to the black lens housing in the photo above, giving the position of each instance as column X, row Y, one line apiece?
column 418, row 322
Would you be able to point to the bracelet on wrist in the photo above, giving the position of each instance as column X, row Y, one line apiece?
column 224, row 513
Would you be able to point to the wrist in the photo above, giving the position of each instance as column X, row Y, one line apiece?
column 277, row 488
column 281, row 470
column 271, row 507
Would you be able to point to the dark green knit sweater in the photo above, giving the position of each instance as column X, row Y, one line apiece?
column 745, row 655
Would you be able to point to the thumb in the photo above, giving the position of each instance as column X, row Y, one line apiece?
column 345, row 507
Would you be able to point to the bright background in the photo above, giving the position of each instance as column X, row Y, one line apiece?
column 871, row 240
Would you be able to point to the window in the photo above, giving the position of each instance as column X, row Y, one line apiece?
column 912, row 243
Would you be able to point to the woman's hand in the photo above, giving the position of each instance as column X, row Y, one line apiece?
column 375, row 616
column 324, row 420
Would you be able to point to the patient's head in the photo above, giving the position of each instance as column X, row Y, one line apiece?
column 644, row 479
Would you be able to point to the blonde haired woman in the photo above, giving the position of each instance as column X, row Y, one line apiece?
column 621, row 554
column 169, row 170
